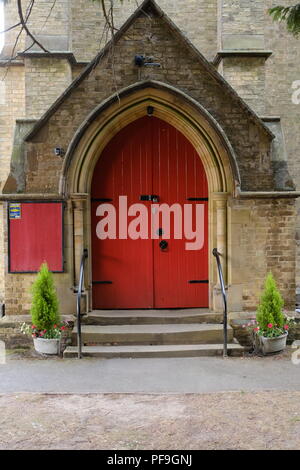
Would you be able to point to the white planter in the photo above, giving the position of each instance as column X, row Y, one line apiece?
column 272, row 345
column 46, row 346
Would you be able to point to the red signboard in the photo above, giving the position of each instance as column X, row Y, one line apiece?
column 35, row 236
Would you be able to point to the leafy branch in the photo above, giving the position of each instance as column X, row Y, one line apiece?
column 289, row 14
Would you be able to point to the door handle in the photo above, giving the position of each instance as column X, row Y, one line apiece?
column 163, row 244
column 149, row 197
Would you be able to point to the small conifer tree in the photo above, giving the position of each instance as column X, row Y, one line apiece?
column 269, row 311
column 44, row 309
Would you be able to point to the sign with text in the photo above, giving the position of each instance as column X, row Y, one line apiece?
column 15, row 210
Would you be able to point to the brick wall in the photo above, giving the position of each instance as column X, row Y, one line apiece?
column 265, row 85
column 179, row 68
column 262, row 240
column 196, row 18
column 45, row 80
column 282, row 69
column 12, row 107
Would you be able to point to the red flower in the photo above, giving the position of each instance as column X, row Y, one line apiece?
column 33, row 326
column 286, row 327
column 63, row 328
column 256, row 329
column 270, row 325
column 54, row 326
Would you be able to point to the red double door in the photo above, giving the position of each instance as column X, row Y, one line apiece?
column 153, row 164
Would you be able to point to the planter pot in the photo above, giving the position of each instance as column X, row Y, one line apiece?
column 272, row 345
column 46, row 346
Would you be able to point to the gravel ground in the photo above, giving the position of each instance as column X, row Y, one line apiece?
column 227, row 420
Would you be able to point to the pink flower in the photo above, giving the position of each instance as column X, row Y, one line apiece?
column 256, row 329
column 54, row 326
column 286, row 327
column 63, row 328
column 270, row 325
column 33, row 326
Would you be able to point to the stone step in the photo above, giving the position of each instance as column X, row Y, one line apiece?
column 141, row 351
column 140, row 317
column 152, row 334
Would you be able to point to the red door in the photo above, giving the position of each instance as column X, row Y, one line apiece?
column 150, row 158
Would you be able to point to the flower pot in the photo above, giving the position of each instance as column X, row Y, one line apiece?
column 46, row 346
column 272, row 345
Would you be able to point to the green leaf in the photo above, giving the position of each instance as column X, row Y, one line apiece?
column 290, row 14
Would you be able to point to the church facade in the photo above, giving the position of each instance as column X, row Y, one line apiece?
column 191, row 102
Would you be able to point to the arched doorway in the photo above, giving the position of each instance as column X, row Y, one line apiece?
column 150, row 163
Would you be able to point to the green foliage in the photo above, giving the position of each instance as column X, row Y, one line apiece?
column 269, row 311
column 290, row 14
column 44, row 309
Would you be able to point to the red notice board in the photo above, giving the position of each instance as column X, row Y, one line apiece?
column 35, row 236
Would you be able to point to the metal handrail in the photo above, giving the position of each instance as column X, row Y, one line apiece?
column 224, row 295
column 79, row 295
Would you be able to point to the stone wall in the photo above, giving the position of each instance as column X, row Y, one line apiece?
column 197, row 19
column 12, row 107
column 45, row 80
column 247, row 76
column 262, row 228
column 180, row 68
column 282, row 69
column 261, row 239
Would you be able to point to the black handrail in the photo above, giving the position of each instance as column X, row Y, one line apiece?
column 79, row 295
column 217, row 256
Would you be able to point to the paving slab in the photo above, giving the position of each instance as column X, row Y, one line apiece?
column 155, row 375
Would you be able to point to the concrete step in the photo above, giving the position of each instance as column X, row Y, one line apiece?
column 172, row 350
column 144, row 317
column 152, row 334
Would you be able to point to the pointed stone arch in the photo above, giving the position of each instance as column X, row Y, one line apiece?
column 169, row 104
column 186, row 115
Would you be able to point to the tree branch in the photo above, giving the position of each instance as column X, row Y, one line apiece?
column 25, row 27
column 10, row 28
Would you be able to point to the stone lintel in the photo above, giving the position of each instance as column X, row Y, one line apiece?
column 29, row 197
column 266, row 194
column 9, row 63
column 240, row 53
column 66, row 55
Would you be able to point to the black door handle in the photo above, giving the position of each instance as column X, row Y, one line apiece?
column 149, row 197
column 163, row 244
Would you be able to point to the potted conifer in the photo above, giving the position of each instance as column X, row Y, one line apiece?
column 272, row 325
column 46, row 328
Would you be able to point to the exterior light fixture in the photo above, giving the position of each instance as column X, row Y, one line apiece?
column 59, row 152
column 141, row 61
column 150, row 110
